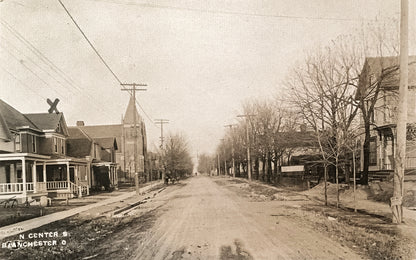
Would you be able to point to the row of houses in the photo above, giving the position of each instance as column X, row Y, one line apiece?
column 40, row 155
column 304, row 157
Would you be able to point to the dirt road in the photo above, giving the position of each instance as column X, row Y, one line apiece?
column 204, row 220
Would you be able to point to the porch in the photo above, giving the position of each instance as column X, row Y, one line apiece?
column 26, row 176
column 104, row 175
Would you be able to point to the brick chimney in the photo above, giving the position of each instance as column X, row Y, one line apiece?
column 80, row 123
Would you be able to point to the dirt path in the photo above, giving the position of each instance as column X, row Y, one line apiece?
column 203, row 220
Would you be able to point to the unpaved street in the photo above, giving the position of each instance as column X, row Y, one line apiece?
column 203, row 220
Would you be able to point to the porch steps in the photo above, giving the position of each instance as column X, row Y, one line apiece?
column 380, row 175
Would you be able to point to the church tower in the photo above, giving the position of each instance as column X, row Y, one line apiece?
column 129, row 138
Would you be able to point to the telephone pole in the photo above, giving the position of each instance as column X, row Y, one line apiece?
column 232, row 147
column 162, row 150
column 247, row 117
column 400, row 162
column 161, row 122
column 225, row 157
column 133, row 88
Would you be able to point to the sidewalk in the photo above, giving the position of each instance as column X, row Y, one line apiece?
column 30, row 224
column 380, row 208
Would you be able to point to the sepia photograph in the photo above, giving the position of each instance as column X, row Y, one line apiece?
column 215, row 129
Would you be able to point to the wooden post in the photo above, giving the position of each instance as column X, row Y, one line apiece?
column 87, row 172
column 400, row 162
column 24, row 177
column 34, row 177
column 44, row 172
column 67, row 176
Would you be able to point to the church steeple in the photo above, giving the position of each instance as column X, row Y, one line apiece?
column 128, row 116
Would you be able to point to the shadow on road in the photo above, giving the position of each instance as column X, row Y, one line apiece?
column 227, row 252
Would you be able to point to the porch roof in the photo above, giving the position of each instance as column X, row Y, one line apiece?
column 65, row 160
column 19, row 156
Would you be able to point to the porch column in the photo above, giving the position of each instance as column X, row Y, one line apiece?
column 34, row 174
column 24, row 176
column 67, row 176
column 44, row 172
column 109, row 174
column 382, row 152
column 76, row 174
column 88, row 172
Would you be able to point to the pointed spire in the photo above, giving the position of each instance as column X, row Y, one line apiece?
column 128, row 116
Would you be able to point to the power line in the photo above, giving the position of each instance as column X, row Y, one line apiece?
column 89, row 42
column 31, row 60
column 37, row 52
column 212, row 11
column 47, row 62
column 101, row 58
column 22, row 83
column 29, row 69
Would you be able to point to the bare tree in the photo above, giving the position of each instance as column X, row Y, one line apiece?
column 177, row 157
column 322, row 90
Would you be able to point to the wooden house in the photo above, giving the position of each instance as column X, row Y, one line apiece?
column 33, row 157
column 384, row 71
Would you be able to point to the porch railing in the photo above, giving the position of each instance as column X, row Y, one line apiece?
column 40, row 186
column 410, row 162
column 15, row 187
column 62, row 185
column 57, row 185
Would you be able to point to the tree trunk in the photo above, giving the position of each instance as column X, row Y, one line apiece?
column 269, row 168
column 275, row 170
column 337, row 179
column 325, row 183
column 256, row 168
column 366, row 152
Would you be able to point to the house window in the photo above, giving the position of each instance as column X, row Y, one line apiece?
column 63, row 146
column 33, row 141
column 17, row 142
column 373, row 151
column 55, row 144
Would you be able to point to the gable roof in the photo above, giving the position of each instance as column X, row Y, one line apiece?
column 107, row 142
column 13, row 118
column 101, row 131
column 79, row 147
column 376, row 65
column 79, row 144
column 75, row 133
column 48, row 121
column 5, row 133
column 105, row 135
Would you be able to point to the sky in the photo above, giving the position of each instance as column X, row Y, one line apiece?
column 200, row 59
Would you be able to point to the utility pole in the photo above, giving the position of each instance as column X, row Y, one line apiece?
column 232, row 147
column 161, row 122
column 225, row 157
column 219, row 168
column 162, row 150
column 247, row 117
column 133, row 88
column 400, row 158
